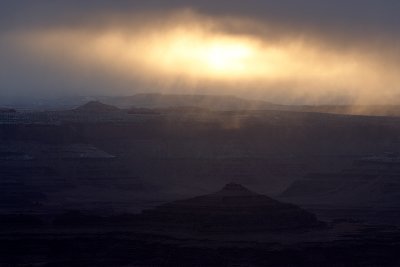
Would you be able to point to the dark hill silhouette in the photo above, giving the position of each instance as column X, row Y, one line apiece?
column 232, row 209
column 96, row 106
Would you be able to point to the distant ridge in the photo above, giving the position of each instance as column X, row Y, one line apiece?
column 361, row 110
column 211, row 102
column 96, row 106
column 155, row 103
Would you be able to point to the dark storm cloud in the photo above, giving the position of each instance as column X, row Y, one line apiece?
column 346, row 15
column 344, row 23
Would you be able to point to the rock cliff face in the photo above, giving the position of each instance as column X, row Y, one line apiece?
column 370, row 182
column 232, row 209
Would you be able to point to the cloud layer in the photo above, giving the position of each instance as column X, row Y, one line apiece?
column 283, row 51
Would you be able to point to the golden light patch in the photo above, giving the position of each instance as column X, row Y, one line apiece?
column 199, row 54
column 220, row 57
column 203, row 56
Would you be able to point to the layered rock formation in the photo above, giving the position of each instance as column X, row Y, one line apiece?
column 371, row 182
column 232, row 209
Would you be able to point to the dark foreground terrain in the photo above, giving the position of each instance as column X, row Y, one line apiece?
column 342, row 245
column 72, row 183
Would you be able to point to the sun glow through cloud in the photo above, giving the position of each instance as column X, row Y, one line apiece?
column 199, row 55
column 195, row 52
column 229, row 58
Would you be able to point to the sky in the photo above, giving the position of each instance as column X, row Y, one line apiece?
column 286, row 51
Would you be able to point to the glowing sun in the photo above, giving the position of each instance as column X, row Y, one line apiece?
column 227, row 57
